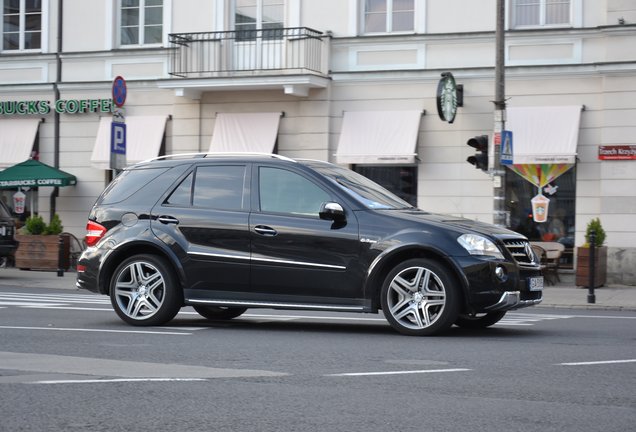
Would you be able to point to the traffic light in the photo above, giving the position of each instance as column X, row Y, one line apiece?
column 480, row 160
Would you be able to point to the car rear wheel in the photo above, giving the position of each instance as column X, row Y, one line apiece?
column 219, row 312
column 419, row 298
column 144, row 292
column 480, row 320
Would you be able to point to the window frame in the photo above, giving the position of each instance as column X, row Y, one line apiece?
column 44, row 14
column 388, row 25
column 572, row 21
column 165, row 6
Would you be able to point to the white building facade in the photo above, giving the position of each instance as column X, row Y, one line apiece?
column 354, row 82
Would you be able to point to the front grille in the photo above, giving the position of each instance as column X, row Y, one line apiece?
column 520, row 251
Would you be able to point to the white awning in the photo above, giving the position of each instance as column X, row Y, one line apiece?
column 144, row 135
column 544, row 135
column 378, row 137
column 245, row 132
column 16, row 140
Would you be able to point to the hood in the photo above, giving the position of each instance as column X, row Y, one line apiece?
column 461, row 225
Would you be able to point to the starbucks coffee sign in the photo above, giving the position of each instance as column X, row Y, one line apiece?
column 62, row 106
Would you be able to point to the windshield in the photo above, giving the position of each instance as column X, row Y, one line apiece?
column 369, row 193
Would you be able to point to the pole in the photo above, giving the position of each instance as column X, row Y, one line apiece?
column 591, row 297
column 500, row 215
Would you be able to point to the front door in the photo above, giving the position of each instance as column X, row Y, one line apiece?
column 296, row 256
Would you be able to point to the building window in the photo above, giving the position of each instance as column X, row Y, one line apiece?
column 401, row 180
column 259, row 19
column 561, row 210
column 141, row 22
column 21, row 25
column 537, row 13
column 388, row 16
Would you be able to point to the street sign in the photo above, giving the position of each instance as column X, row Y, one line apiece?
column 119, row 91
column 506, row 147
column 118, row 138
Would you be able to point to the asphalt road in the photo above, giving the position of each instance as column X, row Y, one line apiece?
column 67, row 363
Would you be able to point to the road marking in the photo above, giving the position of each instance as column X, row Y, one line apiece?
column 104, row 369
column 598, row 362
column 96, row 330
column 117, row 380
column 397, row 372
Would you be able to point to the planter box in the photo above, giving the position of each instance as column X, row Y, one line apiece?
column 583, row 266
column 42, row 252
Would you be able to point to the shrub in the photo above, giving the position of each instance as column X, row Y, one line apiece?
column 55, row 227
column 595, row 225
column 35, row 225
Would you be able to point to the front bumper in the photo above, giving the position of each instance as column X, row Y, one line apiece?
column 512, row 300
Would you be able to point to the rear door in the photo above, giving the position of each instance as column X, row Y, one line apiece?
column 205, row 221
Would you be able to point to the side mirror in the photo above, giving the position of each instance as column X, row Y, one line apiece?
column 332, row 211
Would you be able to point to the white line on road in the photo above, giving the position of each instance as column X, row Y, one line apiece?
column 95, row 330
column 397, row 372
column 598, row 362
column 117, row 380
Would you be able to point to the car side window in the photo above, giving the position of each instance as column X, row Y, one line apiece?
column 283, row 191
column 182, row 195
column 217, row 187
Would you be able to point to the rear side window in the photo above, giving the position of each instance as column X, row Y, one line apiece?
column 128, row 183
column 218, row 187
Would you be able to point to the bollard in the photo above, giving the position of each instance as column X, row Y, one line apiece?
column 60, row 255
column 591, row 297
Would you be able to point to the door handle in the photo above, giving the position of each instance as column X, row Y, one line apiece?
column 168, row 220
column 265, row 230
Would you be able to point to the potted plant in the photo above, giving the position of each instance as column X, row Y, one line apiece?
column 42, row 246
column 583, row 264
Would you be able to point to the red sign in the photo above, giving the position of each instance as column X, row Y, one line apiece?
column 119, row 91
column 617, row 152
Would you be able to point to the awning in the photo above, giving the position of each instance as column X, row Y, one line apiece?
column 16, row 140
column 245, row 132
column 378, row 137
column 33, row 173
column 544, row 135
column 144, row 135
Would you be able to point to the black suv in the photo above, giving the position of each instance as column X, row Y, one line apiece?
column 8, row 244
column 223, row 233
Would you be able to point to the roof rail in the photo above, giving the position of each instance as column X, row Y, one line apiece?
column 206, row 154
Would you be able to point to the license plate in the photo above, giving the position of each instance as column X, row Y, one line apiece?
column 535, row 283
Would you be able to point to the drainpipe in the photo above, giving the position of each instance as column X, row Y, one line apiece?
column 56, row 92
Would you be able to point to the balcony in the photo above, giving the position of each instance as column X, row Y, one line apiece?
column 294, row 59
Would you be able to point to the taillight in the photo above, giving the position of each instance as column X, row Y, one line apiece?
column 94, row 233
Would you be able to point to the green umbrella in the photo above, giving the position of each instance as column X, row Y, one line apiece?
column 33, row 173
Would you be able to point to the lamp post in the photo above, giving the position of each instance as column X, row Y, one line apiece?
column 500, row 215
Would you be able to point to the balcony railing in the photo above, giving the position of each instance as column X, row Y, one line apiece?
column 297, row 50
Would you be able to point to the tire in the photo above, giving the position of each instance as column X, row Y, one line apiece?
column 479, row 321
column 219, row 312
column 419, row 297
column 144, row 291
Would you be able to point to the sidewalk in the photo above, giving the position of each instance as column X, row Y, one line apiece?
column 564, row 295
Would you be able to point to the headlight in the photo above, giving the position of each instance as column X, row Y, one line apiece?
column 479, row 245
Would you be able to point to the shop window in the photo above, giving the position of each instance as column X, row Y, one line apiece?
column 539, row 13
column 388, row 16
column 21, row 25
column 141, row 22
column 561, row 209
column 401, row 180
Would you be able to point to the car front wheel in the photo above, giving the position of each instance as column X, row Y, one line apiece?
column 419, row 298
column 144, row 292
